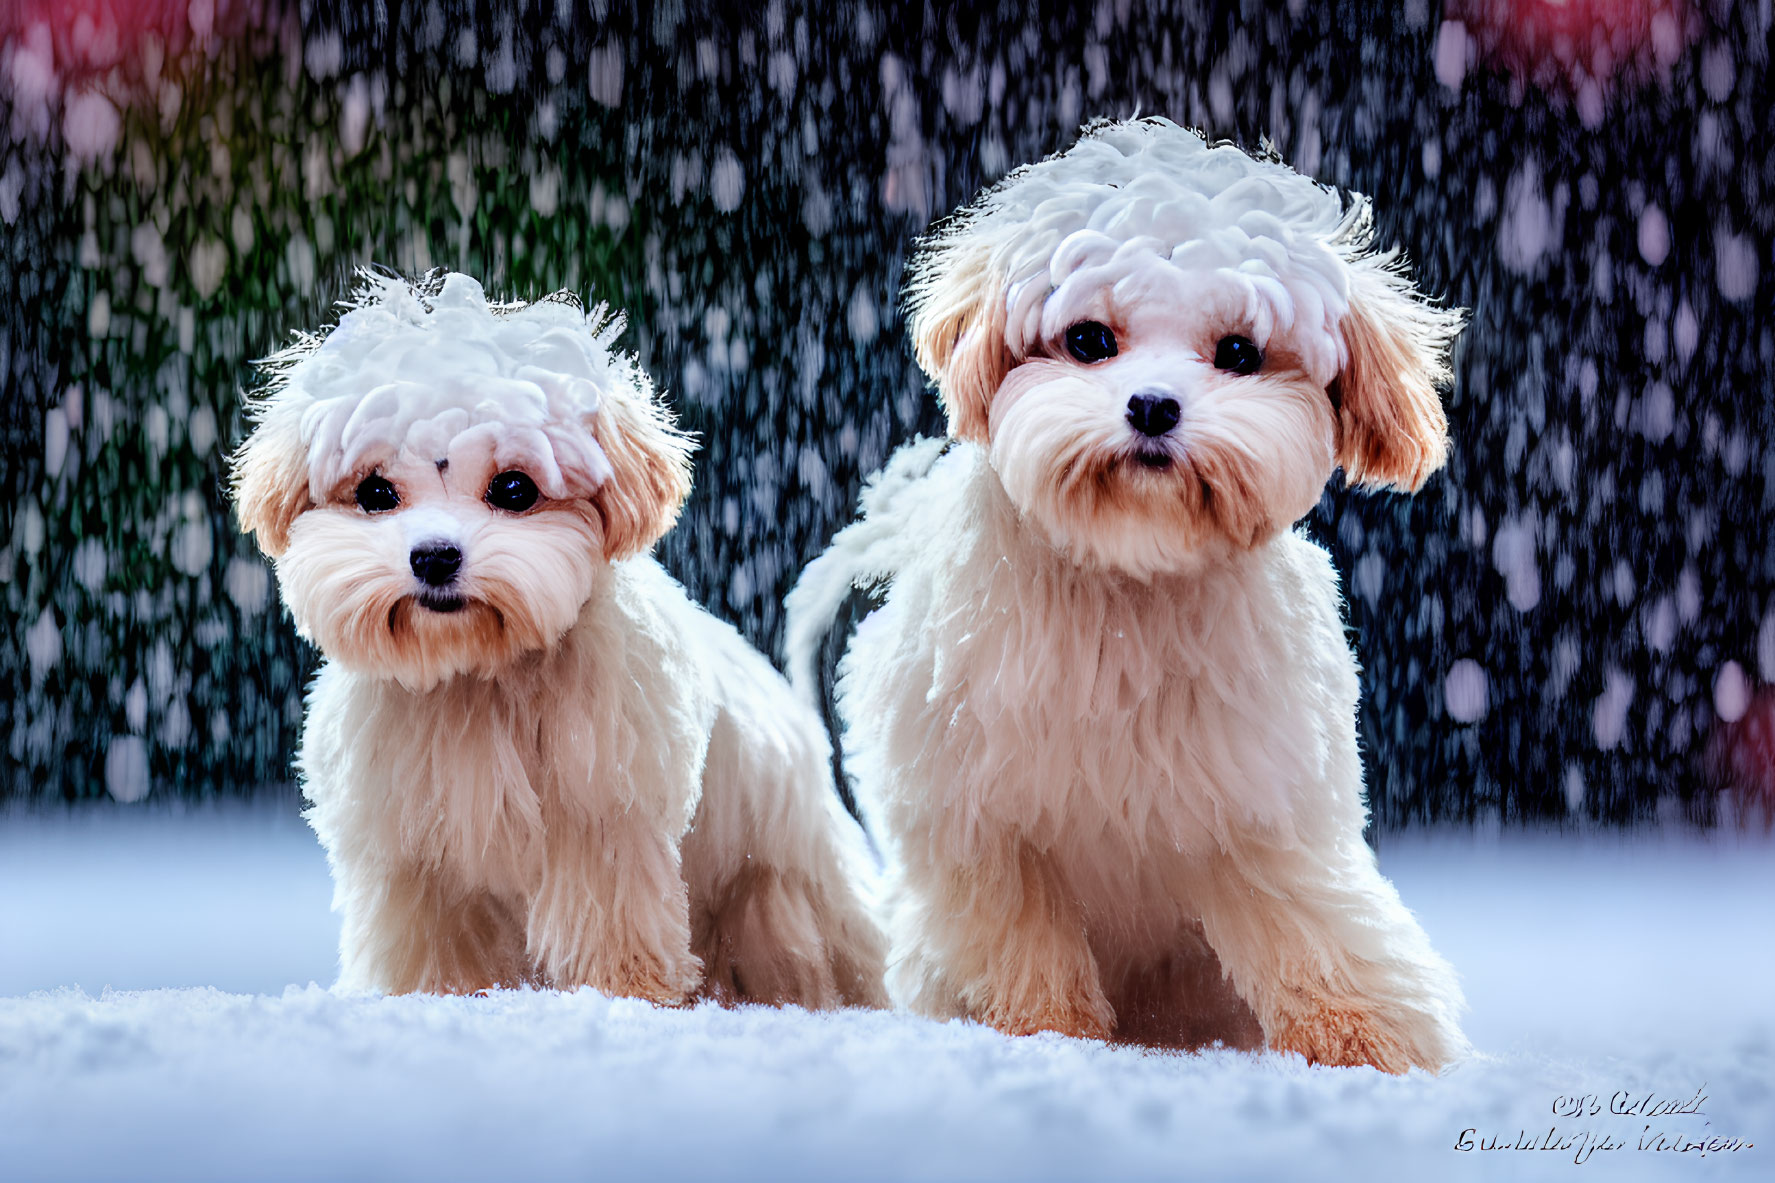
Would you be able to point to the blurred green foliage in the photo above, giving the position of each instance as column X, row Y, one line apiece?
column 141, row 289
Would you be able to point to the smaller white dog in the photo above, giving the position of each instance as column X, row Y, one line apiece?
column 530, row 757
column 1104, row 722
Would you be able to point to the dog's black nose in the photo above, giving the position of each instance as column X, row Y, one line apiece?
column 1153, row 414
column 436, row 563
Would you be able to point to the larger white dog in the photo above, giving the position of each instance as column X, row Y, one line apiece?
column 531, row 758
column 1104, row 722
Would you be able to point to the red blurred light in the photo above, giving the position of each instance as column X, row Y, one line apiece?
column 82, row 38
column 1741, row 757
column 1567, row 45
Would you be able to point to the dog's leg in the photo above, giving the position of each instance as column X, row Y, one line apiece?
column 409, row 930
column 1010, row 939
column 780, row 937
column 612, row 912
column 1334, row 966
column 763, row 944
column 1181, row 999
column 774, row 865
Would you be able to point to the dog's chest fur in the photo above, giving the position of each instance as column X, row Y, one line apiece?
column 467, row 778
column 1088, row 713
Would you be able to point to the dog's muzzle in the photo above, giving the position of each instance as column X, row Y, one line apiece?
column 436, row 565
column 1153, row 414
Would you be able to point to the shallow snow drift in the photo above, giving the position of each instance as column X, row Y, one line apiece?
column 1595, row 967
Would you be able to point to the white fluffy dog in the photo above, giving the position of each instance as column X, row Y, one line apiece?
column 1104, row 721
column 530, row 757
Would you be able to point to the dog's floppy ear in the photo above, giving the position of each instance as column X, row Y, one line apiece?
column 1391, row 426
column 956, row 309
column 650, row 471
column 269, row 479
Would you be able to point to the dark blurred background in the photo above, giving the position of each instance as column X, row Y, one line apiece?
column 1572, row 623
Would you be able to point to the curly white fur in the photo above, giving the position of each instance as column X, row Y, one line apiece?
column 552, row 767
column 1103, row 724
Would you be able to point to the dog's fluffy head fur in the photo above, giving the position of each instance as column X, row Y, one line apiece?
column 1159, row 454
column 369, row 476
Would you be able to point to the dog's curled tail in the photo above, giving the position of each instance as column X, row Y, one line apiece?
column 866, row 551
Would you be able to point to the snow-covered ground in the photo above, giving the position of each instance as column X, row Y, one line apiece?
column 160, row 1019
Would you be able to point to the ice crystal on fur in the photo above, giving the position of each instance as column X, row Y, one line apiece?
column 1131, row 198
column 435, row 367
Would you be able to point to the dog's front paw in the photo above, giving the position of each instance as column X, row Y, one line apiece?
column 664, row 983
column 1082, row 1012
column 1344, row 1037
column 638, row 974
column 1079, row 1022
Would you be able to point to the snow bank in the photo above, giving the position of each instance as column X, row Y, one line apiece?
column 1609, row 967
column 140, row 898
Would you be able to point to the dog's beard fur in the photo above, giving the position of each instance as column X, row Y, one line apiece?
column 347, row 580
column 1248, row 459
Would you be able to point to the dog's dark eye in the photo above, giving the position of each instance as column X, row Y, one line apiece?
column 1238, row 354
column 375, row 495
column 1089, row 341
column 512, row 491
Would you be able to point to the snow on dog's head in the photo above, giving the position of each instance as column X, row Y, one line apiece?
column 438, row 477
column 1167, row 347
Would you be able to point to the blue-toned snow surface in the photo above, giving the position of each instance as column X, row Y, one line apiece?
column 161, row 1019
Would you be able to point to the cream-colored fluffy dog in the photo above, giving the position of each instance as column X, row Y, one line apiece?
column 530, row 757
column 1104, row 721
